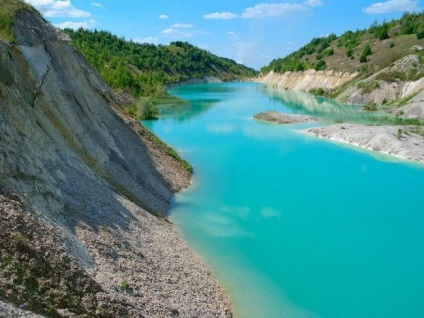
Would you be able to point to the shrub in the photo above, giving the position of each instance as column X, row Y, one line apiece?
column 381, row 32
column 320, row 65
column 370, row 107
column 143, row 110
column 365, row 53
column 317, row 91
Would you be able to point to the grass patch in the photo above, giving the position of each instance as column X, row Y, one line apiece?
column 393, row 120
column 165, row 148
column 393, row 76
column 403, row 101
column 370, row 107
column 8, row 11
column 368, row 86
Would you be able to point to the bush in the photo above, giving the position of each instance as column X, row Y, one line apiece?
column 370, row 107
column 382, row 32
column 320, row 65
column 365, row 53
column 317, row 91
column 143, row 110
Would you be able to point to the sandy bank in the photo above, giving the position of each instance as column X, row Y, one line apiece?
column 276, row 117
column 401, row 141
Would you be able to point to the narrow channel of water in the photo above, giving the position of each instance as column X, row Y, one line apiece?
column 294, row 226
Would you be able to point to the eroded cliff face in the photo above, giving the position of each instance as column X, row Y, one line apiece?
column 70, row 159
column 60, row 132
column 307, row 80
column 381, row 88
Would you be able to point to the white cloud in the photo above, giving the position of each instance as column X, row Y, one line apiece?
column 97, row 4
column 182, row 26
column 392, row 6
column 313, row 3
column 149, row 39
column 180, row 30
column 177, row 33
column 77, row 25
column 58, row 8
column 163, row 17
column 221, row 16
column 265, row 10
column 244, row 51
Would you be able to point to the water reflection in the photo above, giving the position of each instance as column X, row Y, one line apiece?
column 187, row 111
column 327, row 109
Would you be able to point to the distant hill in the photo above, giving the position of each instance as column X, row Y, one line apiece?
column 144, row 69
column 381, row 68
column 364, row 51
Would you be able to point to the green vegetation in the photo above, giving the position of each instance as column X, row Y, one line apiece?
column 393, row 76
column 145, row 69
column 8, row 11
column 294, row 62
column 347, row 51
column 317, row 91
column 368, row 87
column 365, row 53
column 125, row 285
column 144, row 109
column 370, row 107
column 147, row 135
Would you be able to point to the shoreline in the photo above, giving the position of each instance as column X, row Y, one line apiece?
column 401, row 142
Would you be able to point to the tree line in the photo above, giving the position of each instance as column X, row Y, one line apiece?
column 145, row 69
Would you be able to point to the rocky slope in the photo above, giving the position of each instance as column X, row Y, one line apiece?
column 307, row 80
column 389, row 88
column 80, row 191
column 381, row 67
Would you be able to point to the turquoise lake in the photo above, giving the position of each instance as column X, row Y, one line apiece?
column 294, row 226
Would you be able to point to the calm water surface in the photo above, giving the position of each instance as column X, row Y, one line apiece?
column 290, row 225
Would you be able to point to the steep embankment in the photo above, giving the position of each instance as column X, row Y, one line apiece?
column 80, row 191
column 307, row 80
column 381, row 67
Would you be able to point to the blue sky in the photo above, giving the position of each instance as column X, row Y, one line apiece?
column 252, row 32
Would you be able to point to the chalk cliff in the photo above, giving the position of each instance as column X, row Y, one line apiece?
column 307, row 80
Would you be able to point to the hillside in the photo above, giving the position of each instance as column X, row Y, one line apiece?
column 363, row 51
column 84, row 192
column 381, row 67
column 145, row 69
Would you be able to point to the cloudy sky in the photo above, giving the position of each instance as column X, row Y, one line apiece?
column 249, row 31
